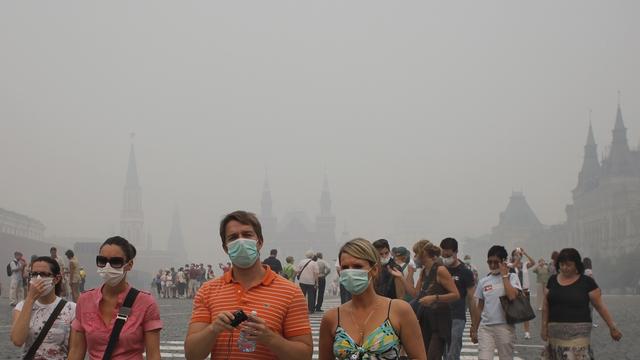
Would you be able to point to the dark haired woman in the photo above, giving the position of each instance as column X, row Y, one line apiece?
column 566, row 317
column 42, row 299
column 97, row 310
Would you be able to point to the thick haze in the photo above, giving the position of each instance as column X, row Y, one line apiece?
column 424, row 117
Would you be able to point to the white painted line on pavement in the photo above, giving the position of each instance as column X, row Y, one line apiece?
column 173, row 348
column 176, row 314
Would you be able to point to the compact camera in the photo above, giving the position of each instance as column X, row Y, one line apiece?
column 238, row 317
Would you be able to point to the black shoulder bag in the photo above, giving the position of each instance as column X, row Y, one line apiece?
column 304, row 267
column 517, row 310
column 45, row 329
column 123, row 315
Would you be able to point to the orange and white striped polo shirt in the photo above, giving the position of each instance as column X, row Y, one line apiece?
column 276, row 300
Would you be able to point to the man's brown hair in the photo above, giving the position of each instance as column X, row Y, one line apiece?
column 244, row 218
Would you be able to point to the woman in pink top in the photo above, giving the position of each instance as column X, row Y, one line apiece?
column 97, row 309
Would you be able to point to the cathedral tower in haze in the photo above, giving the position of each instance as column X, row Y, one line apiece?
column 132, row 216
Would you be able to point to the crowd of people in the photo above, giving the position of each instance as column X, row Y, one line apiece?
column 184, row 283
column 73, row 275
column 260, row 309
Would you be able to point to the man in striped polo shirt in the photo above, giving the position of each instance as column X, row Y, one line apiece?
column 281, row 328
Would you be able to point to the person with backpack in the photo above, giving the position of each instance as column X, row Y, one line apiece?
column 43, row 305
column 101, row 314
column 307, row 275
column 14, row 270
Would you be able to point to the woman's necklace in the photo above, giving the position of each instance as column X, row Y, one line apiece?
column 366, row 321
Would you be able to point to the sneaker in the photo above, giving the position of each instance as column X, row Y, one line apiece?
column 527, row 335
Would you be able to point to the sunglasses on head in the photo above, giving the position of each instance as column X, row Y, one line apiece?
column 116, row 262
column 35, row 274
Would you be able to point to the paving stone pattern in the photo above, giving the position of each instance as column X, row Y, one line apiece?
column 176, row 314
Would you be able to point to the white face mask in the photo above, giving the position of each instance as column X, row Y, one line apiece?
column 111, row 276
column 48, row 284
column 448, row 261
column 385, row 260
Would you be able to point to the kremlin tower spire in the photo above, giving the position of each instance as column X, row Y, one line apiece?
column 132, row 216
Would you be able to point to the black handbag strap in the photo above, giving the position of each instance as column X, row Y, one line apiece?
column 45, row 329
column 304, row 267
column 123, row 315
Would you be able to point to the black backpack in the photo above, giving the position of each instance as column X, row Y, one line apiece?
column 9, row 272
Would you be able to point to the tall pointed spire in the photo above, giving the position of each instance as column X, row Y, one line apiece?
column 591, row 140
column 620, row 162
column 619, row 125
column 266, row 204
column 176, row 240
column 132, row 168
column 325, row 240
column 590, row 173
column 325, row 198
column 267, row 215
column 132, row 216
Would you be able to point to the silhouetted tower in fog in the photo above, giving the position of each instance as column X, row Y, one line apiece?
column 620, row 161
column 176, row 240
column 267, row 218
column 132, row 216
column 325, row 224
column 602, row 221
column 591, row 170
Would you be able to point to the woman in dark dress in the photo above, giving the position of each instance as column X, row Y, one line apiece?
column 566, row 317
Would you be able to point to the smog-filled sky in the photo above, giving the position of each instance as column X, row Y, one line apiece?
column 423, row 117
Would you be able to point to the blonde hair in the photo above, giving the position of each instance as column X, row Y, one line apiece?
column 425, row 246
column 362, row 249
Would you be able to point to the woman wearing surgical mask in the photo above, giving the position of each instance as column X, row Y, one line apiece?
column 41, row 301
column 369, row 326
column 97, row 309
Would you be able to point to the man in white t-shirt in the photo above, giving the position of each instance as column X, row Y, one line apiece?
column 308, row 273
column 491, row 330
column 323, row 270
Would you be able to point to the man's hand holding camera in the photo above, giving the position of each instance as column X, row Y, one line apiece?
column 222, row 323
